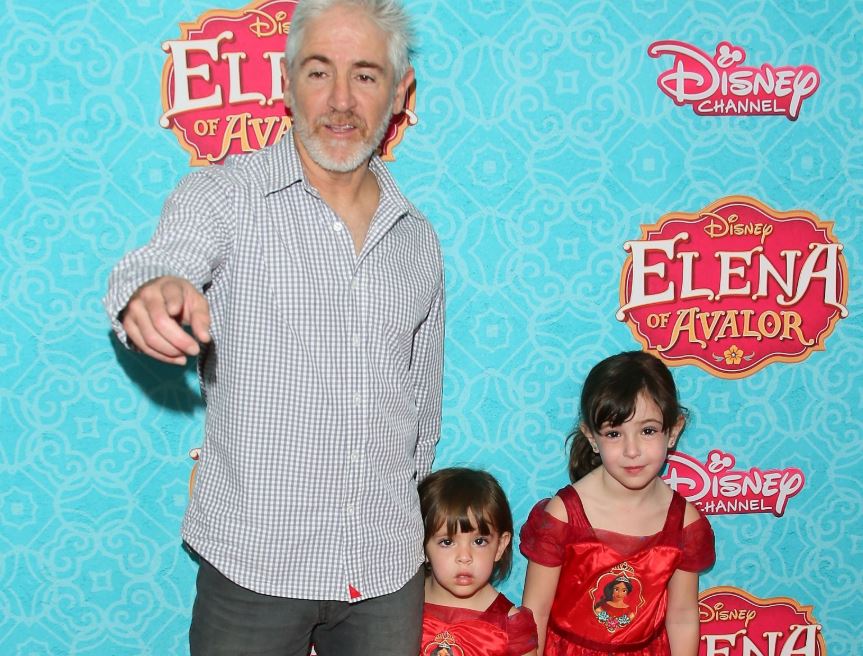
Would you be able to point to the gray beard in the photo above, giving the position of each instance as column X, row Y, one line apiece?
column 318, row 152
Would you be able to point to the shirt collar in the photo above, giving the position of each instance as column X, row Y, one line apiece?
column 286, row 169
column 285, row 165
column 390, row 192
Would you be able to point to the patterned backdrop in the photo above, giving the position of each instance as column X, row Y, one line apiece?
column 543, row 144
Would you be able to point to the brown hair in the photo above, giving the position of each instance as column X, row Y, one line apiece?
column 450, row 496
column 610, row 394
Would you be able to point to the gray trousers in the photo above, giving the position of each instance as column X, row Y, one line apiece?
column 229, row 620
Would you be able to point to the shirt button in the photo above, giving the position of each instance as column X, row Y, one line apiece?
column 349, row 509
column 337, row 226
column 356, row 340
column 357, row 399
column 355, row 455
column 354, row 284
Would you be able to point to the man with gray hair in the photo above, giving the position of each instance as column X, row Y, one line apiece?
column 314, row 293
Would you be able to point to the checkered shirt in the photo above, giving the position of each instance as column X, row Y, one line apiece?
column 322, row 382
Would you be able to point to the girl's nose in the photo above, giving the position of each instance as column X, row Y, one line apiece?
column 631, row 446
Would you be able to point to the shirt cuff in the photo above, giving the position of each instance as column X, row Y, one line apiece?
column 120, row 291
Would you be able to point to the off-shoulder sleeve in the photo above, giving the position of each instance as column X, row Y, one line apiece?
column 698, row 546
column 521, row 631
column 543, row 537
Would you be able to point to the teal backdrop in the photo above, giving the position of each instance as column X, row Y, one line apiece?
column 543, row 144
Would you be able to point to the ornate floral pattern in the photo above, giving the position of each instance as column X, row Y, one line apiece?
column 543, row 142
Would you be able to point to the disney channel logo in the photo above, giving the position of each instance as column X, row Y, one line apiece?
column 719, row 489
column 722, row 86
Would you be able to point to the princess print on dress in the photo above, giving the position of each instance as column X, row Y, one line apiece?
column 444, row 644
column 617, row 597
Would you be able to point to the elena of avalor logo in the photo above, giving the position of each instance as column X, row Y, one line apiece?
column 734, row 287
column 719, row 489
column 222, row 87
column 735, row 623
column 721, row 86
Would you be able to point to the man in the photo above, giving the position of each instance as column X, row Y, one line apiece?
column 316, row 291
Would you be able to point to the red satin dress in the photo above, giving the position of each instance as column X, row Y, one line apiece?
column 451, row 631
column 612, row 593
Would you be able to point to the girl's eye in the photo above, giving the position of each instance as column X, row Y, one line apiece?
column 481, row 541
column 445, row 542
column 650, row 431
column 612, row 434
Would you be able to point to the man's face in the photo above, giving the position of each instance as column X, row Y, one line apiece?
column 341, row 90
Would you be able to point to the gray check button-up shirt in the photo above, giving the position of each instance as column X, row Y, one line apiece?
column 322, row 382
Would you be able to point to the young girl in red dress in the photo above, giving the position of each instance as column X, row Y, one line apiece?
column 614, row 557
column 468, row 535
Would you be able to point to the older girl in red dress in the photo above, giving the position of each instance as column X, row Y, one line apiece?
column 614, row 557
column 468, row 534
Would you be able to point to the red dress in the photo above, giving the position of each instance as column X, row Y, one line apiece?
column 451, row 631
column 612, row 593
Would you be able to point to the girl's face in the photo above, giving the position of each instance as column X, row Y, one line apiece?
column 462, row 565
column 633, row 453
